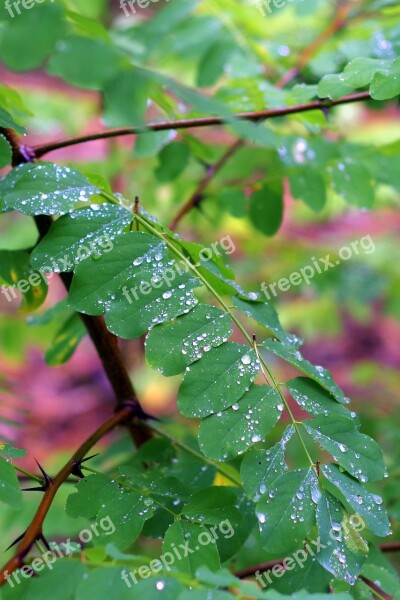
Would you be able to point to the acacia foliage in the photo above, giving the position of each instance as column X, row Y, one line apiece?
column 171, row 488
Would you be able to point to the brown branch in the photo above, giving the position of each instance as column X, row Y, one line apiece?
column 105, row 342
column 338, row 23
column 260, row 115
column 197, row 195
column 375, row 588
column 34, row 531
column 390, row 547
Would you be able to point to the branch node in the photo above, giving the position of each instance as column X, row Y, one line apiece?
column 76, row 470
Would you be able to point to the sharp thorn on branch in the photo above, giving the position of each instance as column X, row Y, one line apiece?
column 76, row 470
column 15, row 542
column 42, row 488
column 47, row 479
column 42, row 539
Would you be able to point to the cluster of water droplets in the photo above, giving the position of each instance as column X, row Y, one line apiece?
column 64, row 188
column 214, row 332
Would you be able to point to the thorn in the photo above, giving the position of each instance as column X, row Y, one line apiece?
column 207, row 166
column 326, row 112
column 35, row 489
column 325, row 104
column 90, row 457
column 16, row 541
column 76, row 466
column 196, row 202
column 137, row 411
column 47, row 479
column 27, row 153
column 44, row 541
column 136, row 211
column 151, row 417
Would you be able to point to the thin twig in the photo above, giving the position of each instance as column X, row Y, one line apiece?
column 197, row 195
column 34, row 531
column 377, row 592
column 259, row 115
column 338, row 23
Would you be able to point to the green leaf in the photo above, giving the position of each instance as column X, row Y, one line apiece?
column 84, row 62
column 8, row 182
column 69, row 572
column 342, row 549
column 5, row 152
column 388, row 578
column 368, row 506
column 217, row 381
column 105, row 583
column 130, row 318
column 308, row 185
column 8, row 122
column 12, row 452
column 317, row 373
column 233, row 201
column 133, row 253
column 360, row 71
column 332, row 86
column 303, row 92
column 231, row 432
column 173, row 159
column 212, row 505
column 42, row 26
column 73, row 238
column 266, row 208
column 126, row 98
column 167, row 588
column 16, row 272
column 149, row 143
column 127, row 512
column 260, row 467
column 201, row 546
column 313, row 398
column 48, row 189
column 206, row 594
column 121, row 513
column 213, row 62
column 10, row 492
column 306, row 574
column 361, row 591
column 353, row 183
column 134, row 285
column 359, row 454
column 172, row 346
column 386, row 85
column 66, row 341
column 265, row 314
column 286, row 512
